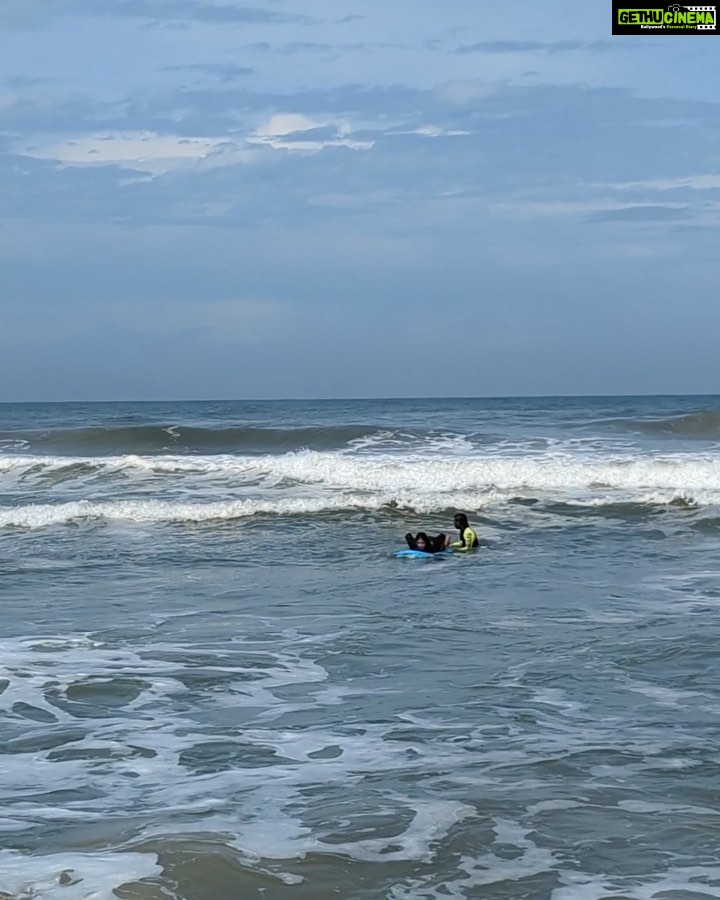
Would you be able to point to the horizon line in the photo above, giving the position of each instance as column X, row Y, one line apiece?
column 361, row 399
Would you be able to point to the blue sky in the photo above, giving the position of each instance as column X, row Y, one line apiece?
column 322, row 198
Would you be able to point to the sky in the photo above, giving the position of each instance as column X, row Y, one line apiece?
column 354, row 198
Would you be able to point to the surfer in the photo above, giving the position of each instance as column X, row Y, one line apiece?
column 426, row 544
column 468, row 539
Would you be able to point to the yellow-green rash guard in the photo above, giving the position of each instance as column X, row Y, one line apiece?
column 468, row 542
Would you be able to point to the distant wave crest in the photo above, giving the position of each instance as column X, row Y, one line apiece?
column 703, row 425
column 158, row 439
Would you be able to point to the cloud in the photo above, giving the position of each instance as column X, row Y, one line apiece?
column 591, row 208
column 642, row 214
column 37, row 13
column 140, row 151
column 229, row 156
column 701, row 182
column 317, row 48
column 550, row 47
column 25, row 81
column 432, row 131
column 225, row 72
column 203, row 195
column 305, row 47
column 297, row 132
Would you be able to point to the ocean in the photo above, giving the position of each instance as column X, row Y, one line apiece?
column 216, row 681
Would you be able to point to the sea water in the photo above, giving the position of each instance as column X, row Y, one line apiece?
column 217, row 682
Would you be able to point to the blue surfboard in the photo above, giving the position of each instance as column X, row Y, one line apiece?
column 420, row 554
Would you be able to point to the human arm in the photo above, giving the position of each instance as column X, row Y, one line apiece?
column 468, row 542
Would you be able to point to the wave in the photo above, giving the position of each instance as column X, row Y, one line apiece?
column 701, row 425
column 148, row 511
column 193, row 489
column 161, row 512
column 158, row 439
column 559, row 471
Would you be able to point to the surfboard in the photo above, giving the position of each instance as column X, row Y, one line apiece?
column 420, row 554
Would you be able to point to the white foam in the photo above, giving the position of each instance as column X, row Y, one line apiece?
column 226, row 487
column 643, row 806
column 551, row 806
column 475, row 873
column 432, row 820
column 681, row 474
column 256, row 808
column 565, row 473
column 445, row 443
column 279, row 806
column 557, row 698
column 665, row 696
column 690, row 880
column 484, row 870
column 72, row 876
column 42, row 515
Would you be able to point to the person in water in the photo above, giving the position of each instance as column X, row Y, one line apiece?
column 468, row 539
column 426, row 544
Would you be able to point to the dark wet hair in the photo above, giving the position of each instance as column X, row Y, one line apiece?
column 421, row 536
column 461, row 521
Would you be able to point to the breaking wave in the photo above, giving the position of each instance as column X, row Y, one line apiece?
column 198, row 489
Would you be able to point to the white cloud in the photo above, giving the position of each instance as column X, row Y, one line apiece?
column 433, row 131
column 647, row 214
column 147, row 151
column 276, row 131
column 562, row 209
column 707, row 182
column 287, row 123
column 157, row 154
